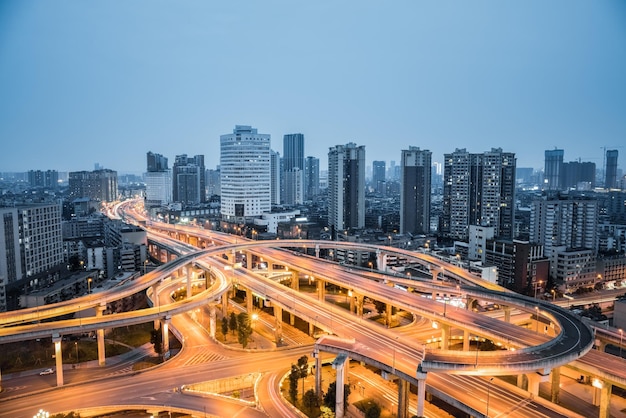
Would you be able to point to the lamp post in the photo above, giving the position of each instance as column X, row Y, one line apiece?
column 553, row 294
column 488, row 392
column 445, row 303
column 537, row 319
column 89, row 285
column 621, row 336
column 76, row 345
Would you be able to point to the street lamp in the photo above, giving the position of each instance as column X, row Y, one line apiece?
column 89, row 285
column 621, row 336
column 488, row 392
column 537, row 319
column 553, row 294
column 76, row 345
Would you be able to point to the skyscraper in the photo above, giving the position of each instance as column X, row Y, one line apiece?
column 293, row 169
column 610, row 179
column 158, row 180
column 311, row 178
column 479, row 189
column 346, row 187
column 378, row 176
column 552, row 174
column 415, row 176
column 98, row 185
column 275, row 177
column 188, row 179
column 246, row 174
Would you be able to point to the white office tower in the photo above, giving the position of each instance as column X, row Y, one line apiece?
column 246, row 174
column 158, row 188
column 346, row 187
column 275, row 177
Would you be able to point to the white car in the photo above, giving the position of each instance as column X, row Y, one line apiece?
column 45, row 372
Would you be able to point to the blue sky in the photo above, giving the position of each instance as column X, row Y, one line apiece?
column 106, row 81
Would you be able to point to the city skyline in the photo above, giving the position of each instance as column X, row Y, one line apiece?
column 524, row 77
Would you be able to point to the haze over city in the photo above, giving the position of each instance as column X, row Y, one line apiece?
column 106, row 82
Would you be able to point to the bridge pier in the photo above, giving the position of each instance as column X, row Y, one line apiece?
column 212, row 321
column 249, row 301
column 605, row 400
column 600, row 345
column 321, row 289
column 421, row 390
column 100, row 337
column 466, row 340
column 403, row 398
column 278, row 323
column 555, row 381
column 507, row 313
column 188, row 272
column 224, row 304
column 339, row 365
column 165, row 334
column 318, row 373
column 445, row 336
column 155, row 303
column 58, row 358
column 359, row 305
column 388, row 314
column 533, row 382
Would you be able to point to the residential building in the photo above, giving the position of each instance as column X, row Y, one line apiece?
column 293, row 169
column 346, row 187
column 415, row 176
column 553, row 165
column 188, row 180
column 378, row 177
column 275, row 178
column 610, row 179
column 311, row 178
column 100, row 185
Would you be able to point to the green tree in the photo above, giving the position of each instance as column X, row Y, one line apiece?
column 373, row 411
column 232, row 323
column 303, row 367
column 294, row 375
column 309, row 400
column 244, row 329
column 224, row 326
column 330, row 396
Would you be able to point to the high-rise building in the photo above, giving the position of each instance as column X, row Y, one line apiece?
column 275, row 177
column 213, row 182
column 48, row 179
column 156, row 162
column 31, row 242
column 346, row 187
column 569, row 222
column 552, row 169
column 158, row 181
column 246, row 174
column 415, row 176
column 378, row 176
column 578, row 175
column 610, row 180
column 98, row 185
column 293, row 169
column 188, row 179
column 479, row 189
column 311, row 178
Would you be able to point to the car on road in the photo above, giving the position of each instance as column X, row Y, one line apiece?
column 45, row 372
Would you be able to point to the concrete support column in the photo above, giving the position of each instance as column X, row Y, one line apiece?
column 421, row 390
column 339, row 365
column 58, row 358
column 507, row 313
column 165, row 334
column 295, row 281
column 403, row 398
column 600, row 345
column 225, row 304
column 249, row 260
column 321, row 289
column 555, row 384
column 100, row 337
column 352, row 305
column 155, row 303
column 318, row 373
column 359, row 305
column 445, row 336
column 466, row 340
column 388, row 314
column 278, row 324
column 317, row 251
column 533, row 382
column 212, row 321
column 605, row 400
column 187, row 271
column 520, row 381
column 249, row 301
column 311, row 329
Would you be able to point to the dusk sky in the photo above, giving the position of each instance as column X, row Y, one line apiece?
column 84, row 82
